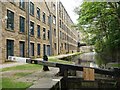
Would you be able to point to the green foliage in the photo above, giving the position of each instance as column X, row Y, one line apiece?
column 116, row 65
column 100, row 23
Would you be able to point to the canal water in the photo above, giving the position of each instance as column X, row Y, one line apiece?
column 86, row 59
column 91, row 60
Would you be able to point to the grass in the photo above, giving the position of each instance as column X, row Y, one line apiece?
column 115, row 65
column 23, row 67
column 52, row 59
column 11, row 83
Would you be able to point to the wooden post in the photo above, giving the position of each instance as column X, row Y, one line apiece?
column 88, row 74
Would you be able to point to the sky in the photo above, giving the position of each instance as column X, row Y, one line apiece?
column 70, row 5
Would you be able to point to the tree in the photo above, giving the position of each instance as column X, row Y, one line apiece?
column 100, row 21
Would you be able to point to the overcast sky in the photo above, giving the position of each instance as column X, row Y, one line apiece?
column 70, row 5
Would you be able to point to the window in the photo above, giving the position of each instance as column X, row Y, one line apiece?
column 22, row 49
column 54, row 20
column 48, row 50
column 44, row 17
column 48, row 20
column 38, row 49
column 10, row 20
column 32, row 49
column 55, row 46
column 54, row 7
column 61, row 45
column 60, row 34
column 31, row 28
column 38, row 13
column 44, row 49
column 60, row 24
column 38, row 31
column 22, row 4
column 10, row 48
column 44, row 33
column 65, row 46
column 48, row 34
column 22, row 24
column 55, row 32
column 63, row 26
column 31, row 8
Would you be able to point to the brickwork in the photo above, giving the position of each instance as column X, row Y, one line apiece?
column 17, row 36
column 1, row 21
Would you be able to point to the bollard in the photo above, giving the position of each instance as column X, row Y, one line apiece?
column 45, row 68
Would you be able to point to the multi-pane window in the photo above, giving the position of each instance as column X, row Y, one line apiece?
column 60, row 24
column 44, row 33
column 22, row 24
column 60, row 34
column 38, row 31
column 10, row 20
column 55, row 32
column 61, row 45
column 38, row 13
column 44, row 17
column 38, row 49
column 10, row 48
column 22, row 4
column 48, row 20
column 48, row 34
column 22, row 49
column 31, row 28
column 54, row 20
column 55, row 46
column 65, row 46
column 31, row 8
column 44, row 49
column 32, row 49
column 54, row 7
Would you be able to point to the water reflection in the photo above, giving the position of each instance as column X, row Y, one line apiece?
column 86, row 59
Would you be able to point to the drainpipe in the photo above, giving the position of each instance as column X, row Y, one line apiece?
column 57, row 24
column 67, row 41
column 28, row 28
column 51, row 52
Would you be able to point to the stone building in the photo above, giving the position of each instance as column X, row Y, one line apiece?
column 34, row 29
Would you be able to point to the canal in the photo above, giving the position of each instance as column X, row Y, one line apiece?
column 77, row 82
column 86, row 59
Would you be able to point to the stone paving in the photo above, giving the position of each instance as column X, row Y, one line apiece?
column 40, row 74
column 44, row 79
